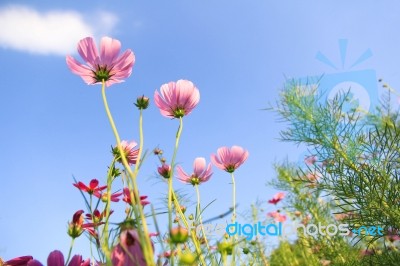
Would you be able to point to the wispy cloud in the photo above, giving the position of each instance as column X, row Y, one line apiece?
column 55, row 32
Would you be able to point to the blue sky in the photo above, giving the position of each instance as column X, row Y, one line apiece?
column 237, row 53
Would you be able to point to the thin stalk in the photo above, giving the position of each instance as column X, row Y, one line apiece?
column 108, row 209
column 170, row 187
column 70, row 250
column 144, row 236
column 233, row 218
column 91, row 212
column 200, row 219
column 192, row 231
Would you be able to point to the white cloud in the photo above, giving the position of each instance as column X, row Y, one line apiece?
column 55, row 32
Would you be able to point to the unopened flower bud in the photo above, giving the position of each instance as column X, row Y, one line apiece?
column 75, row 227
column 183, row 209
column 179, row 235
column 164, row 170
column 142, row 102
column 246, row 250
column 225, row 247
column 187, row 259
column 157, row 151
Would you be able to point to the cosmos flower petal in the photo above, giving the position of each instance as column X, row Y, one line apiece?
column 55, row 258
column 84, row 71
column 36, row 263
column 109, row 50
column 88, row 51
column 182, row 175
column 207, row 174
column 199, row 165
column 215, row 160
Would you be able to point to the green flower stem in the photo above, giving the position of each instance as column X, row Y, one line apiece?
column 192, row 232
column 170, row 187
column 136, row 196
column 172, row 197
column 171, row 174
column 91, row 212
column 233, row 218
column 224, row 262
column 233, row 198
column 200, row 219
column 70, row 251
column 144, row 236
column 105, row 233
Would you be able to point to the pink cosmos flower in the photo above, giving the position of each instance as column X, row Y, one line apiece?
column 93, row 186
column 229, row 159
column 129, row 150
column 280, row 218
column 200, row 173
column 177, row 99
column 107, row 65
column 277, row 198
column 129, row 251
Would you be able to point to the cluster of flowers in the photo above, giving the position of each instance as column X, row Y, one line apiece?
column 174, row 100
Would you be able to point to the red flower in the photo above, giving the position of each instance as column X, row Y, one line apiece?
column 20, row 261
column 127, row 198
column 277, row 198
column 97, row 216
column 92, row 188
column 103, row 196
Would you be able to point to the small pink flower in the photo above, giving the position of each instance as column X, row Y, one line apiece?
column 107, row 65
column 93, row 186
column 129, row 151
column 164, row 170
column 310, row 160
column 177, row 99
column 229, row 159
column 129, row 251
column 277, row 198
column 277, row 216
column 200, row 173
